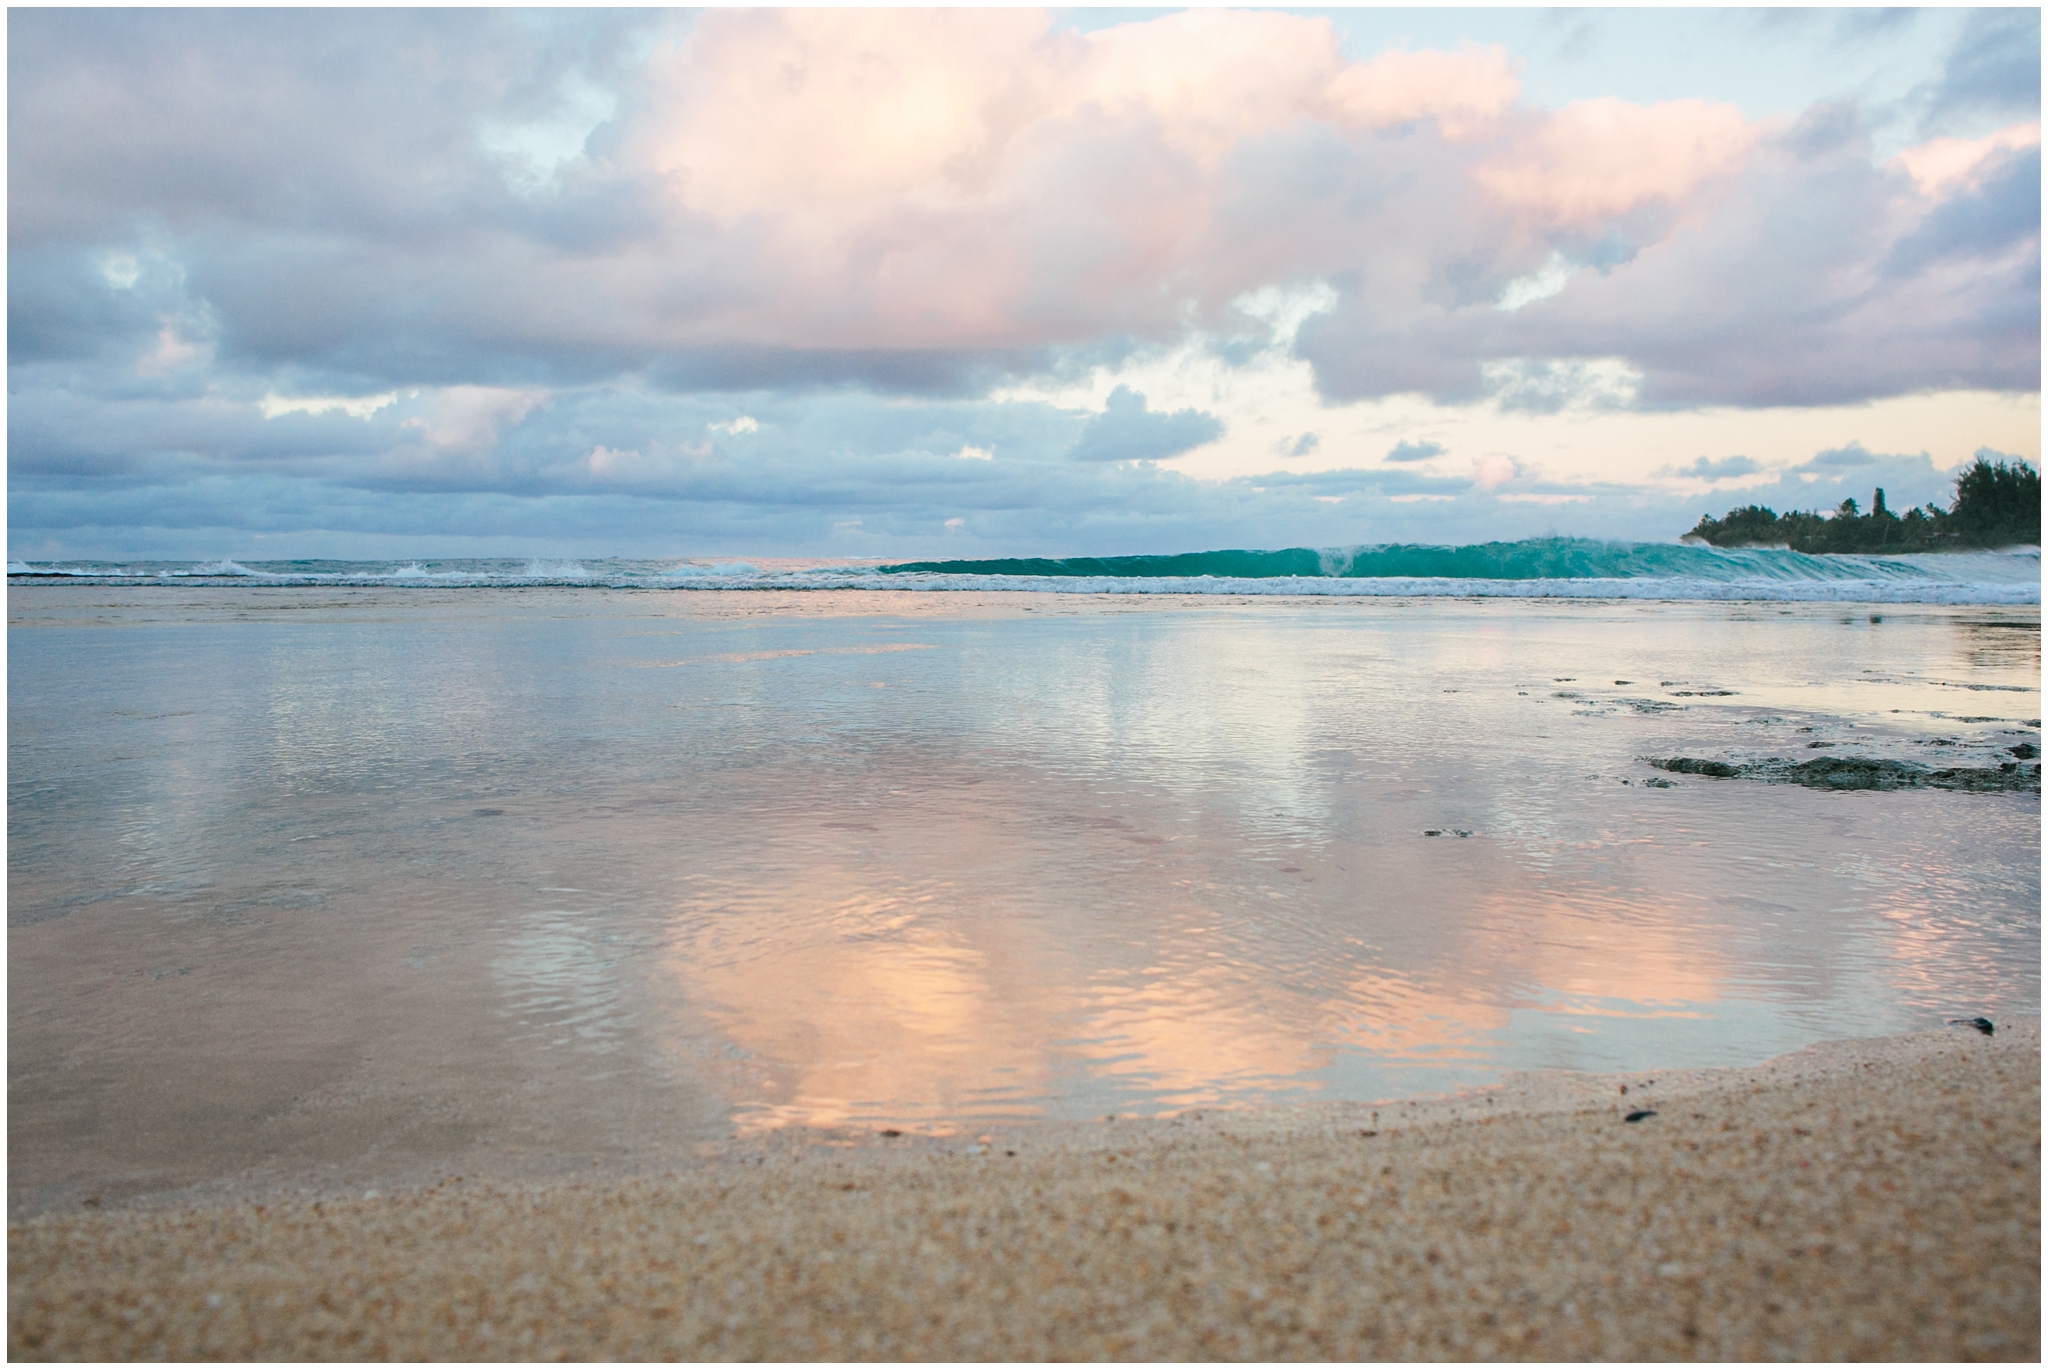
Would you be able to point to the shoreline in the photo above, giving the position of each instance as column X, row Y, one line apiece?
column 1872, row 1198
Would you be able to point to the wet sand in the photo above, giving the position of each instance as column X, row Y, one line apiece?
column 1874, row 1199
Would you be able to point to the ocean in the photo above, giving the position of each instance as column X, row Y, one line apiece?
column 348, row 873
column 1541, row 568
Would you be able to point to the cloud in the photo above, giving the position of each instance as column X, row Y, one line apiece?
column 1355, row 481
column 522, row 266
column 1941, row 165
column 1836, row 458
column 1706, row 468
column 1994, row 68
column 1494, row 470
column 1127, row 431
column 359, row 407
column 1597, row 160
column 927, row 202
column 1464, row 93
column 1539, row 386
column 1823, row 482
column 2000, row 213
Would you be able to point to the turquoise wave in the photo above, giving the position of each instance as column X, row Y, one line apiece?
column 1540, row 568
column 1533, row 559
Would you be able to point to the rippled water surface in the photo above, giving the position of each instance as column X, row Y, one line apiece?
column 358, row 881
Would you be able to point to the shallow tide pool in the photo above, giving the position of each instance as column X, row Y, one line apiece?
column 358, row 884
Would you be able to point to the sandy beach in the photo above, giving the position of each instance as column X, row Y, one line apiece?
column 1872, row 1199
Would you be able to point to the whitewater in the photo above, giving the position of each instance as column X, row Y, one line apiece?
column 1542, row 568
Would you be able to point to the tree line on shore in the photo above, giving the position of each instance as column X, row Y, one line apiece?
column 1996, row 504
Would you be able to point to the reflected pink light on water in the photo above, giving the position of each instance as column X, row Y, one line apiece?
column 512, row 876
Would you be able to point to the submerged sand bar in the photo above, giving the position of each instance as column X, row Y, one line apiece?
column 1875, row 1199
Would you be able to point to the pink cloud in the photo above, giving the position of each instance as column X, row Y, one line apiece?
column 1466, row 93
column 1600, row 159
column 985, row 180
column 1943, row 166
column 981, row 178
column 1493, row 470
column 919, row 199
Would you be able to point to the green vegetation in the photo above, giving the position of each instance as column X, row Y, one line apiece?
column 1996, row 505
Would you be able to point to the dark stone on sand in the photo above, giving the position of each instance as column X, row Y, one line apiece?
column 1982, row 1025
column 1640, row 1114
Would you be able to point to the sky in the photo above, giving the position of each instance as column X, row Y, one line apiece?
column 1003, row 282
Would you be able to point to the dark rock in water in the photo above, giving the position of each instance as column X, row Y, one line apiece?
column 1982, row 1025
column 1640, row 1114
column 1657, row 784
column 486, row 813
column 2009, row 777
column 1862, row 773
column 1856, row 773
column 2025, row 751
column 1692, row 765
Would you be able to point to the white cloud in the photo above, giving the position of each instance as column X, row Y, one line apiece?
column 1550, row 385
column 358, row 407
column 1285, row 308
column 743, row 424
column 468, row 417
column 1549, row 280
column 121, row 271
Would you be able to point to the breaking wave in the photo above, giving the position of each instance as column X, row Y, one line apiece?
column 1539, row 568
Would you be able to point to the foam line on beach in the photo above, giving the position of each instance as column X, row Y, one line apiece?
column 1868, row 1200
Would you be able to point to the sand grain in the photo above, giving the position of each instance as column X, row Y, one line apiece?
column 1876, row 1200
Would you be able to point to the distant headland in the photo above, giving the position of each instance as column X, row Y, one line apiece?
column 1995, row 505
